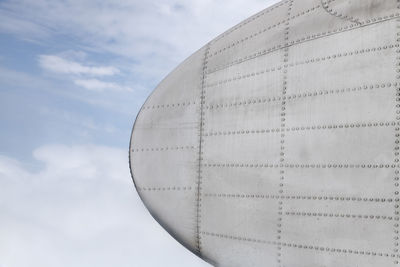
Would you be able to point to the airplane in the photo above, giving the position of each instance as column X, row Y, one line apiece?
column 277, row 143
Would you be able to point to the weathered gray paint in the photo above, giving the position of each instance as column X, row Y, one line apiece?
column 277, row 144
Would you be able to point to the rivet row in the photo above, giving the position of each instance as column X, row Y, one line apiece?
column 332, row 215
column 173, row 188
column 282, row 135
column 396, row 177
column 264, row 100
column 266, row 11
column 302, row 62
column 346, row 28
column 302, row 246
column 300, row 166
column 162, row 148
column 261, row 31
column 244, row 76
column 304, row 128
column 294, row 197
column 308, row 38
column 200, row 152
column 330, row 10
column 173, row 105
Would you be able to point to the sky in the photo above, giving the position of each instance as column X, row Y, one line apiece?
column 73, row 75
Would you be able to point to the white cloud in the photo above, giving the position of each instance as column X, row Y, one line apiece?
column 156, row 34
column 97, row 85
column 10, row 78
column 60, row 65
column 144, row 40
column 73, row 69
column 79, row 210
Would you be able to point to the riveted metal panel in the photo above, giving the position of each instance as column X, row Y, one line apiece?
column 241, row 252
column 277, row 144
column 330, row 181
column 257, row 216
column 228, row 180
column 324, row 231
column 351, row 145
column 321, row 256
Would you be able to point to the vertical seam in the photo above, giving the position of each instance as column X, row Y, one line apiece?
column 282, row 139
column 396, row 145
column 200, row 155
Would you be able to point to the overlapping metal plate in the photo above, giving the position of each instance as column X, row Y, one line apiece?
column 277, row 143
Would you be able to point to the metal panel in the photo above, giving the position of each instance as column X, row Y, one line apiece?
column 277, row 144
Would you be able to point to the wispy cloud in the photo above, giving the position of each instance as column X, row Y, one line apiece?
column 82, row 74
column 97, row 85
column 155, row 34
column 61, row 65
column 11, row 79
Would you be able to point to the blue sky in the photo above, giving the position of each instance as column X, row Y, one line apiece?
column 73, row 75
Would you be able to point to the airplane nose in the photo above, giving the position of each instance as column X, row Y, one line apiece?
column 277, row 143
column 164, row 153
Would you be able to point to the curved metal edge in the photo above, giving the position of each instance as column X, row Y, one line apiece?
column 240, row 24
column 165, row 227
column 326, row 7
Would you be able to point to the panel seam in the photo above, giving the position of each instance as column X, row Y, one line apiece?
column 282, row 139
column 300, row 197
column 262, row 31
column 293, row 64
column 314, row 165
column 330, row 11
column 309, row 38
column 304, row 128
column 252, row 18
column 396, row 145
column 301, row 95
column 304, row 12
column 303, row 246
column 200, row 154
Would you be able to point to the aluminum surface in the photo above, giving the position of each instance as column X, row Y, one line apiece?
column 277, row 143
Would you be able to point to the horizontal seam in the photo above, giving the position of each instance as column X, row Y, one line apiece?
column 252, row 18
column 150, row 149
column 315, row 93
column 338, row 215
column 302, row 166
column 306, row 39
column 303, row 62
column 302, row 246
column 300, row 197
column 263, row 31
column 306, row 94
column 353, row 125
column 169, row 188
column 169, row 105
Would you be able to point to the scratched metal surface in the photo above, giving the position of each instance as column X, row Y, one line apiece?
column 277, row 143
